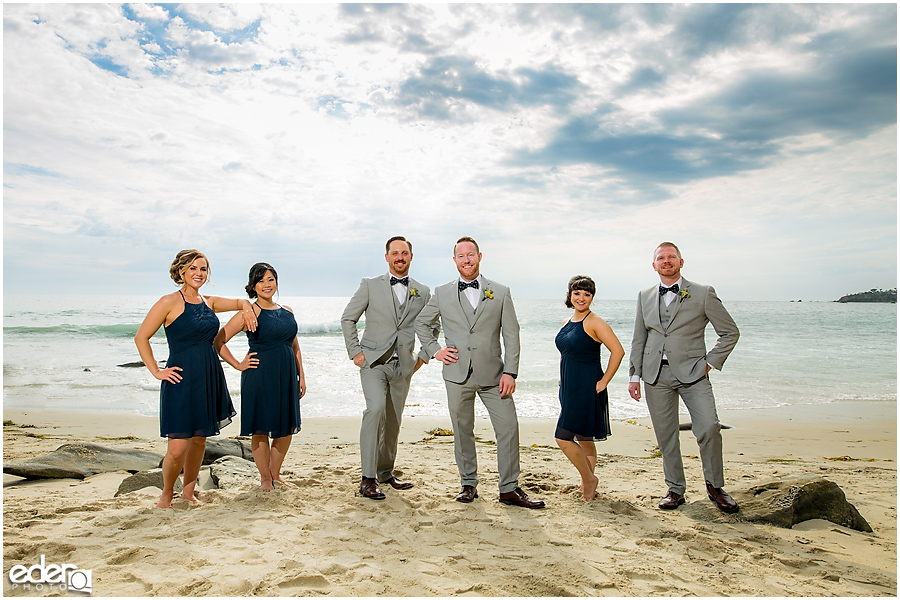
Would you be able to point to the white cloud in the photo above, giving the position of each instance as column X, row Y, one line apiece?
column 149, row 12
column 224, row 17
column 564, row 137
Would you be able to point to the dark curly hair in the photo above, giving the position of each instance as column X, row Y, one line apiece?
column 257, row 272
column 582, row 283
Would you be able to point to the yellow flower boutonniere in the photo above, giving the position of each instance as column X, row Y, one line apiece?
column 414, row 292
column 684, row 294
column 488, row 294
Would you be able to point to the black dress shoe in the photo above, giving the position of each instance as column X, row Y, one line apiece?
column 467, row 494
column 369, row 488
column 397, row 484
column 519, row 498
column 671, row 501
column 725, row 502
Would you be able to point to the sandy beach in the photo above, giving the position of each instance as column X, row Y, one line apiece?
column 322, row 538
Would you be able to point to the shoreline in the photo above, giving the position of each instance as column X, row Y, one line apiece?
column 322, row 538
column 855, row 426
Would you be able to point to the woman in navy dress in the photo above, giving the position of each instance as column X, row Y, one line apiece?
column 584, row 402
column 193, row 398
column 272, row 380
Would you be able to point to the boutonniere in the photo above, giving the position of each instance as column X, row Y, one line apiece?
column 684, row 294
column 488, row 294
column 414, row 292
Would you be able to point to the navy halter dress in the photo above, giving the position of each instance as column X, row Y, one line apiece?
column 199, row 404
column 583, row 412
column 270, row 393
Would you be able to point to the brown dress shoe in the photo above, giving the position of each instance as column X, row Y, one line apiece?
column 369, row 488
column 671, row 501
column 725, row 502
column 519, row 498
column 467, row 494
column 397, row 484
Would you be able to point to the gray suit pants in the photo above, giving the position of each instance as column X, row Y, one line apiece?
column 385, row 391
column 502, row 411
column 662, row 401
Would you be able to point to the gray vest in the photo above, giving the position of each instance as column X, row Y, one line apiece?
column 392, row 351
column 398, row 307
column 666, row 312
column 665, row 317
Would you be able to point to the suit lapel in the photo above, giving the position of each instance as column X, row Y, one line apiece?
column 479, row 308
column 677, row 301
column 651, row 306
column 390, row 297
column 404, row 310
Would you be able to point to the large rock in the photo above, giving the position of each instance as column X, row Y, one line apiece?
column 233, row 472
column 217, row 448
column 785, row 502
column 78, row 461
column 139, row 481
column 154, row 478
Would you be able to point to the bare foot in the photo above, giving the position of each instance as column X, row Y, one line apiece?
column 286, row 484
column 590, row 488
column 266, row 485
column 193, row 499
column 165, row 500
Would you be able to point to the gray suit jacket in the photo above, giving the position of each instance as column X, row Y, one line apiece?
column 476, row 337
column 383, row 328
column 683, row 341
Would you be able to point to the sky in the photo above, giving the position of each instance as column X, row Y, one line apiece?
column 566, row 139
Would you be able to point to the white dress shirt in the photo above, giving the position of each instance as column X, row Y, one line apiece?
column 473, row 295
column 670, row 296
column 400, row 290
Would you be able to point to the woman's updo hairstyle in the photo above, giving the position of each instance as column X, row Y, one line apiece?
column 257, row 272
column 582, row 283
column 182, row 261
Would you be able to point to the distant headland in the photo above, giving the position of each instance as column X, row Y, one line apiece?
column 872, row 295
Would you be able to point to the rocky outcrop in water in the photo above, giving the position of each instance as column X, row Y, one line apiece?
column 872, row 295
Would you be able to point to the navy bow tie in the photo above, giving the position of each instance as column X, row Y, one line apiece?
column 395, row 280
column 472, row 284
column 664, row 290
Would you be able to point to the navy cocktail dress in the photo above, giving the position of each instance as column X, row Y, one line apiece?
column 199, row 404
column 583, row 411
column 270, row 393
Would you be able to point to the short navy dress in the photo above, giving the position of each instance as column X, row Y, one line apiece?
column 199, row 404
column 584, row 412
column 270, row 393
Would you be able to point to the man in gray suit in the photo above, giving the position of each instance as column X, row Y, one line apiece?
column 386, row 359
column 668, row 352
column 475, row 312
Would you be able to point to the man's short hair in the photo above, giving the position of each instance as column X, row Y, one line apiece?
column 667, row 245
column 465, row 238
column 387, row 247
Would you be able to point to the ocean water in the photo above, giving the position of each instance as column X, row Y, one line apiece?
column 63, row 352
